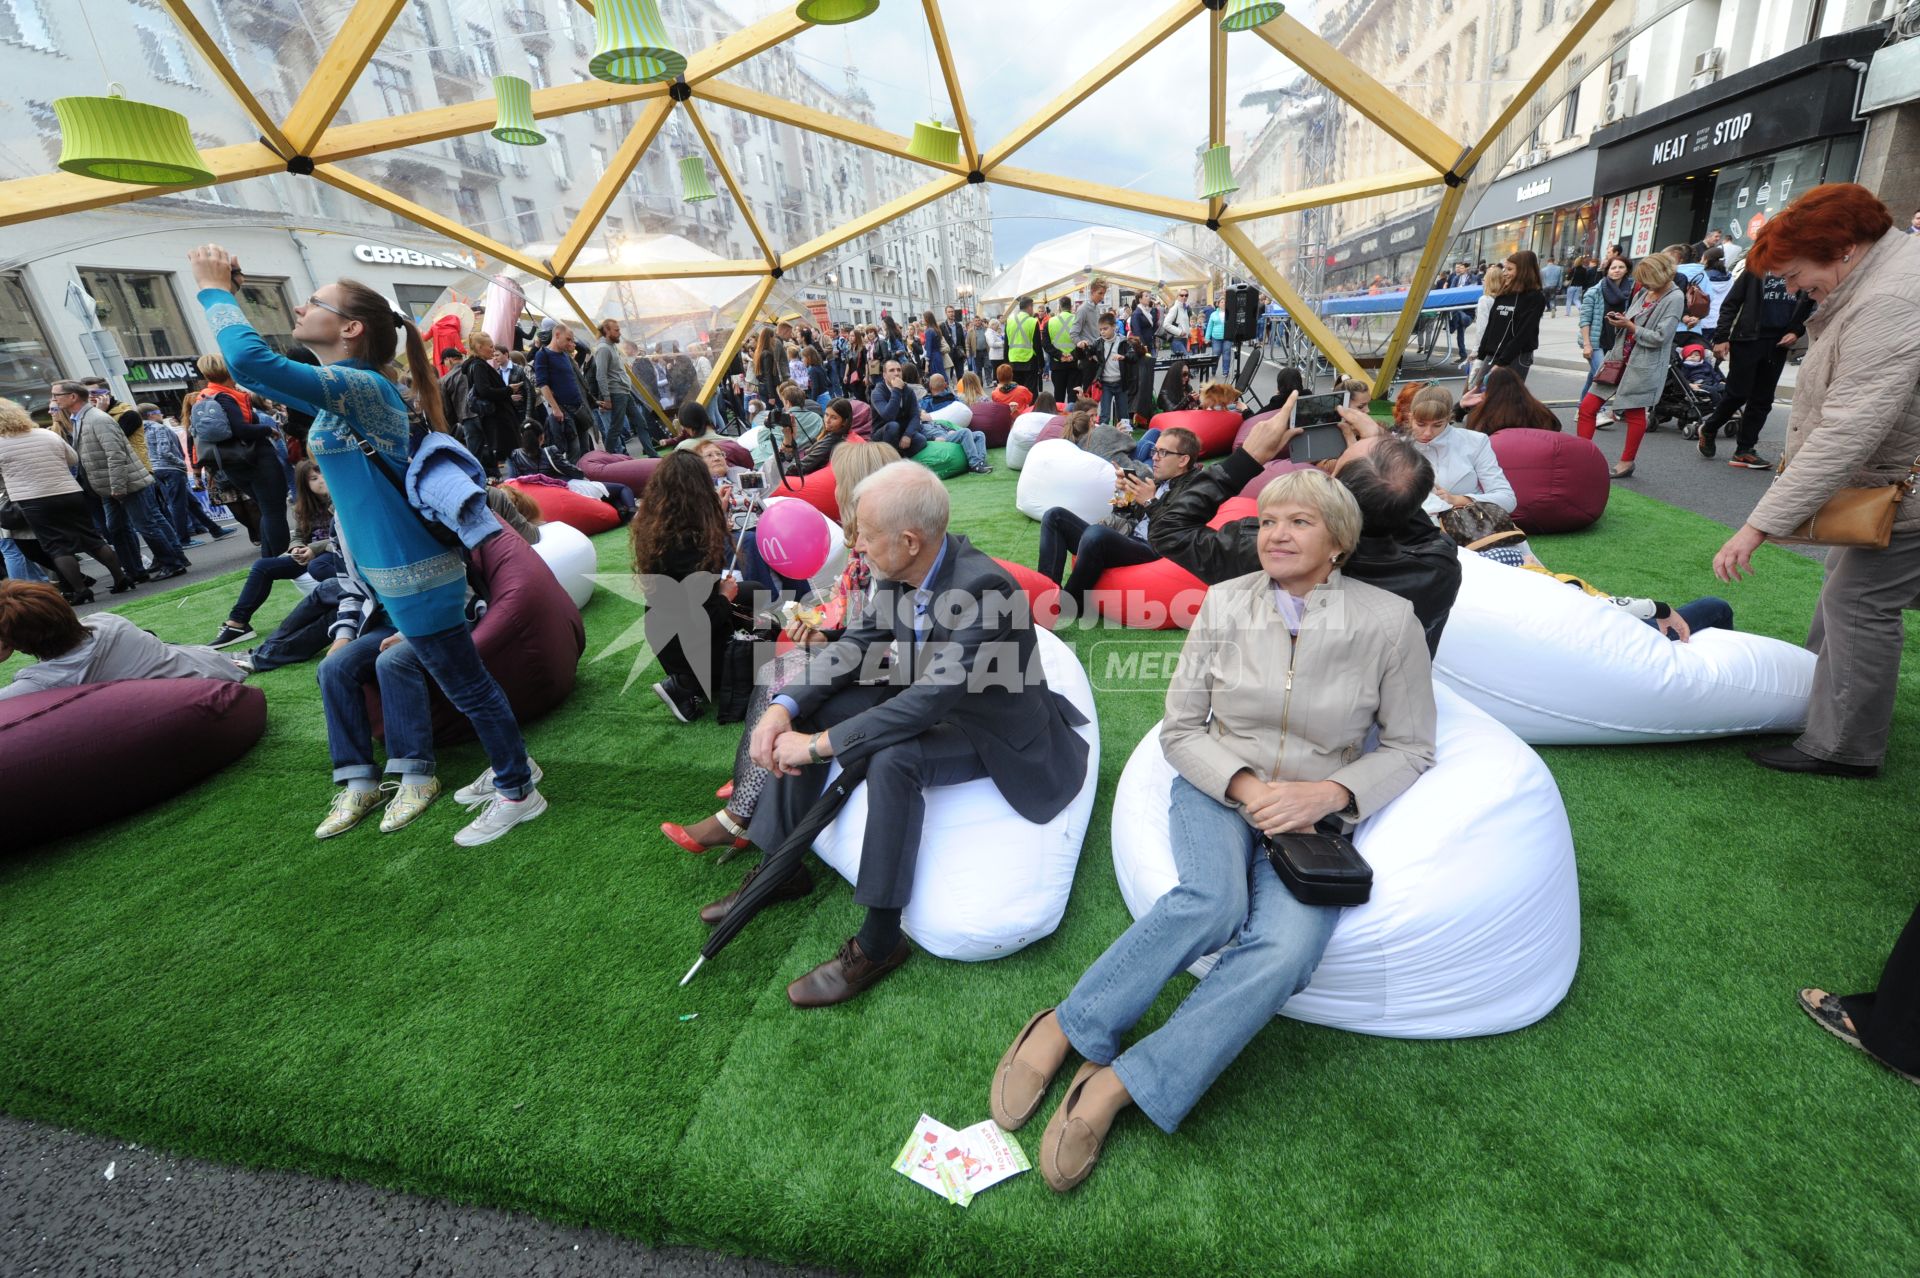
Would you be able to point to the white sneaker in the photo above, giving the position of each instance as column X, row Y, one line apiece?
column 472, row 796
column 499, row 816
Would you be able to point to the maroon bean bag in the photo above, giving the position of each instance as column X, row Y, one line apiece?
column 79, row 757
column 1561, row 481
column 562, row 505
column 815, row 489
column 1160, row 595
column 1246, row 428
column 531, row 637
column 1272, row 470
column 737, row 454
column 1056, row 428
column 1215, row 429
column 1042, row 594
column 862, row 420
column 992, row 420
column 618, row 468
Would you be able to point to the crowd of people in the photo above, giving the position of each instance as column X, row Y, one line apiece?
column 900, row 667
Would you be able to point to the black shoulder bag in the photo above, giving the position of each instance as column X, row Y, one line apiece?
column 1321, row 866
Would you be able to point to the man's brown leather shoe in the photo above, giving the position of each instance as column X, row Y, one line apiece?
column 844, row 975
column 798, row 884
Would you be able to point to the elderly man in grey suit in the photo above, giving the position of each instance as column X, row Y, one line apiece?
column 937, row 682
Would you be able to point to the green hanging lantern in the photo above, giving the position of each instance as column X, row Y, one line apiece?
column 1216, row 173
column 514, row 124
column 631, row 45
column 935, row 142
column 118, row 140
column 694, row 186
column 1245, row 15
column 828, row 13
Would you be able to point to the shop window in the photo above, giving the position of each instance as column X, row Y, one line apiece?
column 26, row 360
column 141, row 310
column 417, row 299
column 265, row 303
column 24, row 22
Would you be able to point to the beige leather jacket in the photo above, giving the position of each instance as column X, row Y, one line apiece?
column 1248, row 694
column 1856, row 406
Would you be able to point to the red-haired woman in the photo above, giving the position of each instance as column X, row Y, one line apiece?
column 1856, row 424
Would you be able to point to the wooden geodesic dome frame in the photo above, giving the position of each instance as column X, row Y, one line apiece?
column 308, row 142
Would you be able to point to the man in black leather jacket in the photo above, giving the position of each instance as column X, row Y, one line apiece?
column 1400, row 549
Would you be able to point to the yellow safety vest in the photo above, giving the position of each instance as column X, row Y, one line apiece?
column 1021, row 330
column 1059, row 332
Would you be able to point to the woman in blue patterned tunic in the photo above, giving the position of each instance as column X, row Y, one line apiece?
column 422, row 584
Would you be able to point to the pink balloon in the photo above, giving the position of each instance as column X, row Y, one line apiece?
column 794, row 539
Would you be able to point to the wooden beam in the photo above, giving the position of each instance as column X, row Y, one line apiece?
column 1118, row 197
column 723, row 358
column 872, row 219
column 379, row 196
column 1319, row 59
column 350, row 141
column 696, row 270
column 1092, row 82
column 812, row 121
column 1587, row 20
column 776, row 28
column 216, row 58
column 345, row 57
column 607, row 189
column 733, row 187
column 1437, row 239
column 29, row 199
column 1282, row 292
column 1216, row 97
column 937, row 28
column 1313, row 197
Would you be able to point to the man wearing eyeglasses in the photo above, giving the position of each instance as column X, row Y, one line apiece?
column 122, row 481
column 1121, row 540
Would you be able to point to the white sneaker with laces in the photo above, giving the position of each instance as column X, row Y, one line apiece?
column 472, row 796
column 499, row 816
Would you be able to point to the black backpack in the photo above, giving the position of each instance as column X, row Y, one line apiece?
column 590, row 382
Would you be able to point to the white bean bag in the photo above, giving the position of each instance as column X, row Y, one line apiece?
column 1561, row 667
column 1474, row 923
column 1026, row 429
column 988, row 881
column 569, row 553
column 956, row 415
column 1061, row 473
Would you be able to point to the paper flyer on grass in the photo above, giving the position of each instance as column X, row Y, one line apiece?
column 958, row 1165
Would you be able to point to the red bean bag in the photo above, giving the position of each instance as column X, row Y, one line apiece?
column 530, row 639
column 616, row 468
column 1160, row 595
column 79, row 757
column 1272, row 470
column 1215, row 429
column 992, row 420
column 1041, row 592
column 1054, row 429
column 1561, row 481
column 815, row 489
column 562, row 505
column 1246, row 428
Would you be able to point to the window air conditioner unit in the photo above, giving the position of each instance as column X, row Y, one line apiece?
column 1707, row 66
column 1877, row 11
column 1623, row 95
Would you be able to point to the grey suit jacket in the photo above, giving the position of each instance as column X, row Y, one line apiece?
column 978, row 670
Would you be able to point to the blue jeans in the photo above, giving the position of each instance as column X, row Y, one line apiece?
column 628, row 421
column 972, row 442
column 139, row 513
column 1115, row 403
column 19, row 567
column 262, row 573
column 178, row 507
column 1706, row 613
column 1179, row 345
column 304, row 633
column 1095, row 548
column 1227, row 893
column 1593, row 366
column 450, row 660
column 1223, row 357
column 1143, row 451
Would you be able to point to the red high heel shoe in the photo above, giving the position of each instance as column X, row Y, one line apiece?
column 724, row 793
column 678, row 833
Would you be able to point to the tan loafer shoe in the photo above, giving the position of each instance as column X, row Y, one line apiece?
column 1018, row 1088
column 1070, row 1148
column 408, row 802
column 350, row 808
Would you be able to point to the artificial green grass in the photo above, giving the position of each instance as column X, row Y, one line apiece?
column 502, row 1025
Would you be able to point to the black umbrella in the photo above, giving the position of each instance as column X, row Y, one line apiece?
column 780, row 863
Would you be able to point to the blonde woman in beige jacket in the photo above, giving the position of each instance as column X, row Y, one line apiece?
column 1856, row 424
column 1285, row 676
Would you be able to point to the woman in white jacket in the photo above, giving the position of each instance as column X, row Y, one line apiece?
column 1464, row 467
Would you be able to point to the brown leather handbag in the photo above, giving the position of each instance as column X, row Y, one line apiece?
column 1860, row 518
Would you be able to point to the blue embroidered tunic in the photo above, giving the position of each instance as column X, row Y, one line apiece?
column 422, row 584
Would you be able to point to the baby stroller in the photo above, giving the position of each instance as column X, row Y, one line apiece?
column 1680, row 401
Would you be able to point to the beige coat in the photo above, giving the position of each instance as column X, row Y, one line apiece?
column 1249, row 695
column 1856, row 407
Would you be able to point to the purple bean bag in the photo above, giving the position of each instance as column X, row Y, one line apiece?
column 148, row 738
column 615, row 468
column 531, row 638
column 1054, row 429
column 862, row 419
column 1561, row 481
column 1246, row 428
column 992, row 420
column 1268, row 473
